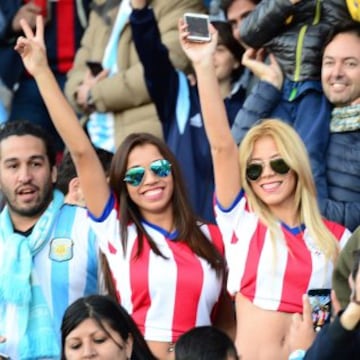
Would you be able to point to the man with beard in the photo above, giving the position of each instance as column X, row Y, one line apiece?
column 48, row 254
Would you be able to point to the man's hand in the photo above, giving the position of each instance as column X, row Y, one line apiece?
column 31, row 47
column 301, row 333
column 86, row 86
column 269, row 72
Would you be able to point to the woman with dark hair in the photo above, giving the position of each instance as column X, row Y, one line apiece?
column 177, row 100
column 167, row 267
column 97, row 325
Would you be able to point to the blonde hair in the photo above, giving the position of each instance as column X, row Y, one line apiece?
column 292, row 150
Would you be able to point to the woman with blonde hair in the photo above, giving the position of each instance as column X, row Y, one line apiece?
column 277, row 246
column 294, row 156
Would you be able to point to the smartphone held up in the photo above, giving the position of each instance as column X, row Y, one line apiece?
column 320, row 301
column 197, row 27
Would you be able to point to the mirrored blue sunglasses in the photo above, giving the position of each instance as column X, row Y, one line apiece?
column 135, row 175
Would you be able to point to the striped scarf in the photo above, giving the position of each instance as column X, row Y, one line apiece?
column 345, row 118
column 22, row 303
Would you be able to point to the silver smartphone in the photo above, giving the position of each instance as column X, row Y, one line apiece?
column 197, row 26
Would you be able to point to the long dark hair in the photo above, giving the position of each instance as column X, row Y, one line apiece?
column 184, row 217
column 103, row 309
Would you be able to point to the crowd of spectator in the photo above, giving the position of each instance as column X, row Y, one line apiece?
column 164, row 198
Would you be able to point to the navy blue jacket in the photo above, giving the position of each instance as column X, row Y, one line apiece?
column 343, row 169
column 182, row 124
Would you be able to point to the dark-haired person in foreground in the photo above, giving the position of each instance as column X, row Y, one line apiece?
column 97, row 326
column 205, row 343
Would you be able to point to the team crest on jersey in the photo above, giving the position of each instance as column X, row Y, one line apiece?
column 61, row 249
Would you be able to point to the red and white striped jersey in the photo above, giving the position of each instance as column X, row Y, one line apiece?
column 272, row 274
column 165, row 297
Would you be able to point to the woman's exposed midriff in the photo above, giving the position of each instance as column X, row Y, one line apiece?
column 261, row 334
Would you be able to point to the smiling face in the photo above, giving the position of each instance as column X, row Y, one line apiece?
column 89, row 340
column 153, row 195
column 275, row 190
column 25, row 176
column 341, row 69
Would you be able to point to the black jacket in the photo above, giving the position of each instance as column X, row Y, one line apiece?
column 333, row 342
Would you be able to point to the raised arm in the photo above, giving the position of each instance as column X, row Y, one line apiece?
column 31, row 47
column 223, row 147
column 160, row 75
